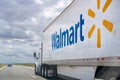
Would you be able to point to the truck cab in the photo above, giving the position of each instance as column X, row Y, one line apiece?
column 44, row 70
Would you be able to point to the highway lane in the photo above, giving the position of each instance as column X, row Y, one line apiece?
column 18, row 73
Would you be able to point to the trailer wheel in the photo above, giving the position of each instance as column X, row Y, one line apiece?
column 108, row 73
column 112, row 74
column 55, row 69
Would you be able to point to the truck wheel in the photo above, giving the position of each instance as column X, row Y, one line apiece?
column 35, row 73
column 35, row 70
column 46, row 72
column 110, row 73
column 43, row 71
column 55, row 69
column 40, row 70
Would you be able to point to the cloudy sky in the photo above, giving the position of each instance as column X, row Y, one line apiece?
column 21, row 25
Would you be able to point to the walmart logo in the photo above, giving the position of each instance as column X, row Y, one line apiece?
column 74, row 33
column 106, row 23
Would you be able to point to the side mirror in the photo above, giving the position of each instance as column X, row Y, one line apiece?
column 35, row 55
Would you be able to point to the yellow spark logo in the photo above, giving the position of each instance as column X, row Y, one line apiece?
column 107, row 24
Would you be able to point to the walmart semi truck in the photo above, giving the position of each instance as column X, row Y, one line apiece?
column 82, row 43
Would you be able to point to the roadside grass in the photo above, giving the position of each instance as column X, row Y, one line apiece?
column 2, row 65
column 26, row 64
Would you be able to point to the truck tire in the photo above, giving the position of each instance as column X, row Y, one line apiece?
column 112, row 74
column 43, row 71
column 55, row 69
column 40, row 70
column 35, row 70
column 46, row 72
column 109, row 73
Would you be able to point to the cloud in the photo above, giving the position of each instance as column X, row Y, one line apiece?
column 18, row 9
column 21, row 26
column 13, row 33
column 54, row 10
column 9, row 32
column 39, row 1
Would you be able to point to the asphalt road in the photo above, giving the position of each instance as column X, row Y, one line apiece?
column 18, row 73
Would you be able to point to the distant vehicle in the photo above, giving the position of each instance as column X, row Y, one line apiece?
column 82, row 43
column 9, row 65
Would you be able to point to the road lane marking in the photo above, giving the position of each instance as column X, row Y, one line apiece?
column 32, row 76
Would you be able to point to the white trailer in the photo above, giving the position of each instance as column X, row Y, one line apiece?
column 83, row 42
